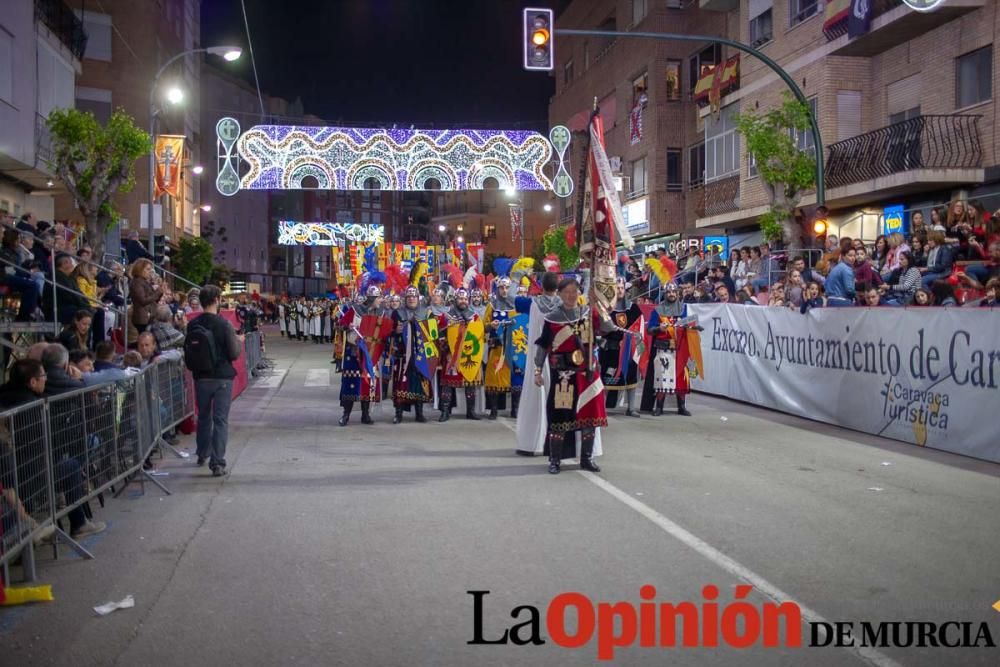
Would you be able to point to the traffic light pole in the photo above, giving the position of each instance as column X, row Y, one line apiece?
column 740, row 46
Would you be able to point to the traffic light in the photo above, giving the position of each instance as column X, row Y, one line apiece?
column 819, row 229
column 538, row 45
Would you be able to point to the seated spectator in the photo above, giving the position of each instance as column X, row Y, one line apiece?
column 104, row 356
column 944, row 293
column 83, row 361
column 864, row 272
column 992, row 298
column 839, row 286
column 897, row 244
column 939, row 259
column 739, row 274
column 873, row 297
column 722, row 294
column 28, row 383
column 977, row 275
column 880, row 253
column 76, row 335
column 61, row 377
column 718, row 275
column 776, row 295
column 163, row 330
column 902, row 283
column 769, row 269
column 918, row 244
column 938, row 216
column 17, row 279
column 102, row 369
column 69, row 300
column 922, row 297
column 916, row 223
column 687, row 293
column 132, row 361
column 814, row 298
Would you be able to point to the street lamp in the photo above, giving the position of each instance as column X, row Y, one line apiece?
column 198, row 169
column 174, row 96
column 441, row 228
column 547, row 208
column 207, row 208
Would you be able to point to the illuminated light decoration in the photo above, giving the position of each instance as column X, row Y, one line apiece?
column 327, row 233
column 282, row 157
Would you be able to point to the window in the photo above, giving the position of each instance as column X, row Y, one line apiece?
column 6, row 66
column 674, row 4
column 722, row 145
column 800, row 10
column 639, row 87
column 848, row 114
column 804, row 138
column 696, row 164
column 751, row 165
column 638, row 11
column 673, row 79
column 638, row 172
column 55, row 80
column 973, row 75
column 95, row 100
column 904, row 115
column 568, row 73
column 761, row 30
column 490, row 232
column 98, row 29
column 674, row 183
column 702, row 63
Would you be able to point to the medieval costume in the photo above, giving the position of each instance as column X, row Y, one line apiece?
column 668, row 373
column 282, row 317
column 464, row 365
column 499, row 317
column 619, row 366
column 439, row 310
column 367, row 329
column 575, row 396
column 410, row 374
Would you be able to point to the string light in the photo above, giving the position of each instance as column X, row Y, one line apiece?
column 327, row 233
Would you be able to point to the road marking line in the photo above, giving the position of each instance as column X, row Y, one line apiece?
column 869, row 655
column 318, row 377
column 272, row 381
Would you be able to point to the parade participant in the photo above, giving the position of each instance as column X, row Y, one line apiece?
column 477, row 300
column 575, row 396
column 668, row 372
column 531, row 431
column 282, row 311
column 316, row 321
column 464, row 366
column 499, row 314
column 367, row 329
column 302, row 318
column 410, row 375
column 438, row 307
column 620, row 371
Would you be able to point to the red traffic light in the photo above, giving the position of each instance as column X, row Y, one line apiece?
column 537, row 39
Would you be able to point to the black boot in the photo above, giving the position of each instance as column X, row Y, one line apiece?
column 587, row 451
column 681, row 407
column 445, row 405
column 399, row 416
column 470, row 404
column 555, row 452
column 366, row 417
column 491, row 403
column 419, row 407
column 348, row 406
column 658, row 408
column 515, row 400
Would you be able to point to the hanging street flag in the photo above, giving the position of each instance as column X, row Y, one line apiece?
column 635, row 124
column 169, row 158
column 860, row 19
column 516, row 222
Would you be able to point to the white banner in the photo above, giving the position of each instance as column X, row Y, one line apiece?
column 927, row 376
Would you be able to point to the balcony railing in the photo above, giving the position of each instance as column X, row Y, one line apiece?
column 64, row 23
column 924, row 142
column 719, row 196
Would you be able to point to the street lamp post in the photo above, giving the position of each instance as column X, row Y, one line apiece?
column 229, row 53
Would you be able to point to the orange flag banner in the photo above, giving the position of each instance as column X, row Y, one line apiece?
column 169, row 158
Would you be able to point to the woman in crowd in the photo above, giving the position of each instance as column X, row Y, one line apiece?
column 880, row 255
column 756, row 267
column 794, row 288
column 86, row 281
column 897, row 246
column 902, row 283
column 76, row 335
column 917, row 243
column 742, row 269
column 917, row 222
column 944, row 293
column 956, row 214
column 145, row 292
column 922, row 297
column 938, row 216
column 734, row 262
column 813, row 298
column 939, row 259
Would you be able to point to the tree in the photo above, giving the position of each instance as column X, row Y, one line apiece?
column 220, row 275
column 784, row 169
column 95, row 162
column 554, row 242
column 193, row 260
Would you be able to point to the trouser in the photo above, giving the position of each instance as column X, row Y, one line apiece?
column 929, row 278
column 69, row 482
column 214, row 398
column 980, row 272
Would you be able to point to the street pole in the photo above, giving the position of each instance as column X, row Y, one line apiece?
column 740, row 46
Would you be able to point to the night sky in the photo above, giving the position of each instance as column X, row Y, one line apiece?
column 448, row 63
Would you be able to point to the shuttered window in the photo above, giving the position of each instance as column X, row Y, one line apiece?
column 848, row 114
column 903, row 95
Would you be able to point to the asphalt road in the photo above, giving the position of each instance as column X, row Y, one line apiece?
column 357, row 545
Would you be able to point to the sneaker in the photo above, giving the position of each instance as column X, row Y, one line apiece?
column 45, row 536
column 89, row 528
column 201, row 461
column 218, row 471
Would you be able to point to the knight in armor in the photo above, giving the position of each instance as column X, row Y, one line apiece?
column 461, row 317
column 410, row 385
column 575, row 399
column 619, row 369
column 499, row 315
column 361, row 380
column 667, row 373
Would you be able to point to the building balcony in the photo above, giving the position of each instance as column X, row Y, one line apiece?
column 719, row 197
column 726, row 78
column 892, row 23
column 64, row 24
column 718, row 5
column 925, row 144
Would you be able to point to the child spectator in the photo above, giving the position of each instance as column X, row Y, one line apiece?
column 813, row 298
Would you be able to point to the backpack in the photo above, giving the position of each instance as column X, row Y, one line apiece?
column 199, row 348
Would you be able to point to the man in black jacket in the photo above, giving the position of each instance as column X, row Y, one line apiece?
column 68, row 300
column 214, row 389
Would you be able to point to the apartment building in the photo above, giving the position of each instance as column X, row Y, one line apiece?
column 127, row 43
column 41, row 43
column 648, row 93
column 484, row 216
column 905, row 107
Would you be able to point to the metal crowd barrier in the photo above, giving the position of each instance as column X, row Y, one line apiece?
column 254, row 352
column 59, row 453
